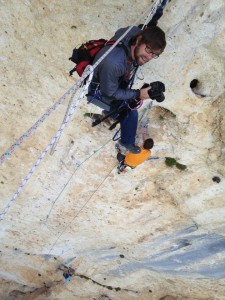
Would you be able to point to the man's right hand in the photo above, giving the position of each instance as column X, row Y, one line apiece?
column 144, row 93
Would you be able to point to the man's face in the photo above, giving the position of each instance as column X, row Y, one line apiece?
column 143, row 53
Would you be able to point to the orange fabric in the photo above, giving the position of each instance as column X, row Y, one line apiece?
column 134, row 160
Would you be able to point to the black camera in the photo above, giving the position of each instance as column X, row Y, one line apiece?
column 156, row 91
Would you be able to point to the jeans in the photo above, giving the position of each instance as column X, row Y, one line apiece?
column 129, row 127
column 128, row 124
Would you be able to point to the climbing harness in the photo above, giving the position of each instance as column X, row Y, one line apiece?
column 95, row 97
column 121, row 111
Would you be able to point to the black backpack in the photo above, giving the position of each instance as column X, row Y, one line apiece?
column 85, row 54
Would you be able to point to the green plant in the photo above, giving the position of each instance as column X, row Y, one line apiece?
column 181, row 167
column 170, row 162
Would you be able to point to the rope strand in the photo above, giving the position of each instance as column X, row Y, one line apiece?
column 57, row 135
column 85, row 74
column 88, row 72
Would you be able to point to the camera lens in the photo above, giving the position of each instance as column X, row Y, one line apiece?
column 161, row 98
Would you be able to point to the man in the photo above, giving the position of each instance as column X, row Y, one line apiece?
column 131, row 160
column 113, row 77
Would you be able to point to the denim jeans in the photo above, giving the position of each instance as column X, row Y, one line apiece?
column 129, row 127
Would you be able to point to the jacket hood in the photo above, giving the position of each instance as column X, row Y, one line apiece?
column 126, row 40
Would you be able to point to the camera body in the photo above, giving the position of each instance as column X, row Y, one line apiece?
column 156, row 91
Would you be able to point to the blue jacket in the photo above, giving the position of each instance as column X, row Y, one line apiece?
column 113, row 73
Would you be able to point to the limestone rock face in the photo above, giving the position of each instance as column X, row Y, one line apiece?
column 154, row 233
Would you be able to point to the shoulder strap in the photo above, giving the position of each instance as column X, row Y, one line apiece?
column 120, row 44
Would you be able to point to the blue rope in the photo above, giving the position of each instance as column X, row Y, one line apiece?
column 67, row 279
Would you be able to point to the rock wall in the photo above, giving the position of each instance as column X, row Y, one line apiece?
column 154, row 233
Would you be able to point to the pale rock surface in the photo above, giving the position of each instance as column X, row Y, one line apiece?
column 154, row 233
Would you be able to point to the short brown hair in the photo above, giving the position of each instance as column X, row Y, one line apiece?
column 148, row 144
column 154, row 37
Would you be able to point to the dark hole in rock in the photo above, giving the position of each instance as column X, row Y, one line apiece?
column 194, row 83
column 216, row 179
column 196, row 87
